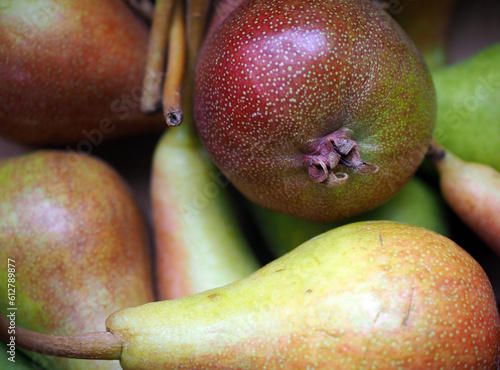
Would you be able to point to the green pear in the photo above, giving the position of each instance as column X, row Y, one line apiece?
column 199, row 244
column 366, row 295
column 468, row 116
column 72, row 72
column 417, row 203
column 75, row 245
column 472, row 190
column 427, row 23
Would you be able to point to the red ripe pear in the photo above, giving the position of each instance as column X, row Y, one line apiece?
column 77, row 244
column 72, row 71
column 318, row 109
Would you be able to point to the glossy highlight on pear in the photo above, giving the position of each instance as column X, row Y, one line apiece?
column 321, row 110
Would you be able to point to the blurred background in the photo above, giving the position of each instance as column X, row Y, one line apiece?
column 475, row 25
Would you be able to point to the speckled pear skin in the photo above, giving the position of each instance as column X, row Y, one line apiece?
column 70, row 70
column 370, row 294
column 277, row 79
column 79, row 244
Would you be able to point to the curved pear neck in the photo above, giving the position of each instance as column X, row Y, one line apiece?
column 94, row 346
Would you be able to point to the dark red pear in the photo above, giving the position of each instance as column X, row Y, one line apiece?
column 318, row 109
column 71, row 71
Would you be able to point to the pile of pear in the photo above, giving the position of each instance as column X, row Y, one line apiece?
column 192, row 275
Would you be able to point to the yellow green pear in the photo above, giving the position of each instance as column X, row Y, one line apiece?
column 366, row 295
column 198, row 241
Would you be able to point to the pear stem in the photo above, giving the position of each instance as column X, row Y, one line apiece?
column 197, row 12
column 155, row 59
column 95, row 346
column 196, row 20
column 175, row 69
column 435, row 152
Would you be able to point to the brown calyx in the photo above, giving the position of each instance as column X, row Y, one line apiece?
column 332, row 153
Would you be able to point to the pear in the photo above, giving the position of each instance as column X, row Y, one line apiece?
column 199, row 244
column 72, row 72
column 374, row 294
column 472, row 190
column 318, row 109
column 469, row 107
column 417, row 203
column 77, row 245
